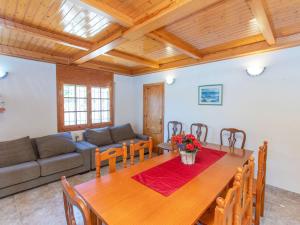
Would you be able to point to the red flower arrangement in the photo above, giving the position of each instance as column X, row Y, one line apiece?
column 187, row 143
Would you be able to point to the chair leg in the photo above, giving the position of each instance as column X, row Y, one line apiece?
column 257, row 213
column 262, row 209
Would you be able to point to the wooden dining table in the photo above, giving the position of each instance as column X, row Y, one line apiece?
column 117, row 199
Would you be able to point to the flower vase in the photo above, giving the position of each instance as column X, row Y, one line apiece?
column 188, row 158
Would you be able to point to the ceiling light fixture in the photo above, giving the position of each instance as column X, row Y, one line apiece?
column 254, row 71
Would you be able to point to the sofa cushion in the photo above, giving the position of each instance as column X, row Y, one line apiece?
column 16, row 151
column 60, row 163
column 122, row 132
column 19, row 173
column 56, row 144
column 99, row 137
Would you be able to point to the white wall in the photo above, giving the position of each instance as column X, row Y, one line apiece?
column 266, row 107
column 125, row 100
column 30, row 95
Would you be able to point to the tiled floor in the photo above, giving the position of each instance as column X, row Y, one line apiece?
column 44, row 205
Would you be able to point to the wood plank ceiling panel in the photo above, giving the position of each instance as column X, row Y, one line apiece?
column 227, row 21
column 115, row 60
column 284, row 15
column 148, row 48
column 61, row 16
column 15, row 38
column 133, row 8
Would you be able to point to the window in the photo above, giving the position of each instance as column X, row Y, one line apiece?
column 75, row 105
column 85, row 106
column 100, row 105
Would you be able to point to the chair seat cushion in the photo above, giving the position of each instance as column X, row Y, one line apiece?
column 53, row 145
column 122, row 132
column 16, row 151
column 19, row 173
column 98, row 137
column 60, row 163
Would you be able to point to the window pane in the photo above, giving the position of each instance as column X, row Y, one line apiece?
column 69, row 104
column 80, row 91
column 96, row 105
column 69, row 119
column 81, row 118
column 69, row 90
column 81, row 104
column 95, row 92
column 96, row 117
column 104, row 92
column 105, row 116
column 104, row 104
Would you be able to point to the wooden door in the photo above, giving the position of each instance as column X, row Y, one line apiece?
column 154, row 112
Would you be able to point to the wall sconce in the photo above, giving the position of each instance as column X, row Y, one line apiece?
column 3, row 74
column 254, row 71
column 170, row 80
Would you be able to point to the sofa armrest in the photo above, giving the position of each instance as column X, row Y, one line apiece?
column 142, row 137
column 85, row 149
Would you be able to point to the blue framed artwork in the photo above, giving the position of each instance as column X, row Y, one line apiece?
column 210, row 94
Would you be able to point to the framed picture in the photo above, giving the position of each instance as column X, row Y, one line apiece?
column 210, row 94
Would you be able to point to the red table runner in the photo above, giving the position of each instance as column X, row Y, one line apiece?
column 171, row 175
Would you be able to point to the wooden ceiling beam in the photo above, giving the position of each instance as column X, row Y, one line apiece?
column 26, row 54
column 99, row 48
column 250, row 49
column 176, row 10
column 170, row 39
column 262, row 20
column 106, row 11
column 57, row 38
column 133, row 58
column 107, row 67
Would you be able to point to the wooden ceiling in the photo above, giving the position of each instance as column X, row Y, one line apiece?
column 134, row 37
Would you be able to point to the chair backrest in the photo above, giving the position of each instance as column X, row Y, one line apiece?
column 261, row 181
column 198, row 128
column 225, row 210
column 140, row 146
column 71, row 199
column 244, row 178
column 110, row 155
column 174, row 128
column 232, row 136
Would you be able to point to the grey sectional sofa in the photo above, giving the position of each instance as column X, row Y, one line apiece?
column 26, row 163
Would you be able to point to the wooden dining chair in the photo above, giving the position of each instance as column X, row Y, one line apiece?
column 73, row 199
column 198, row 128
column 259, row 184
column 244, row 178
column 110, row 155
column 225, row 212
column 174, row 128
column 140, row 146
column 233, row 136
